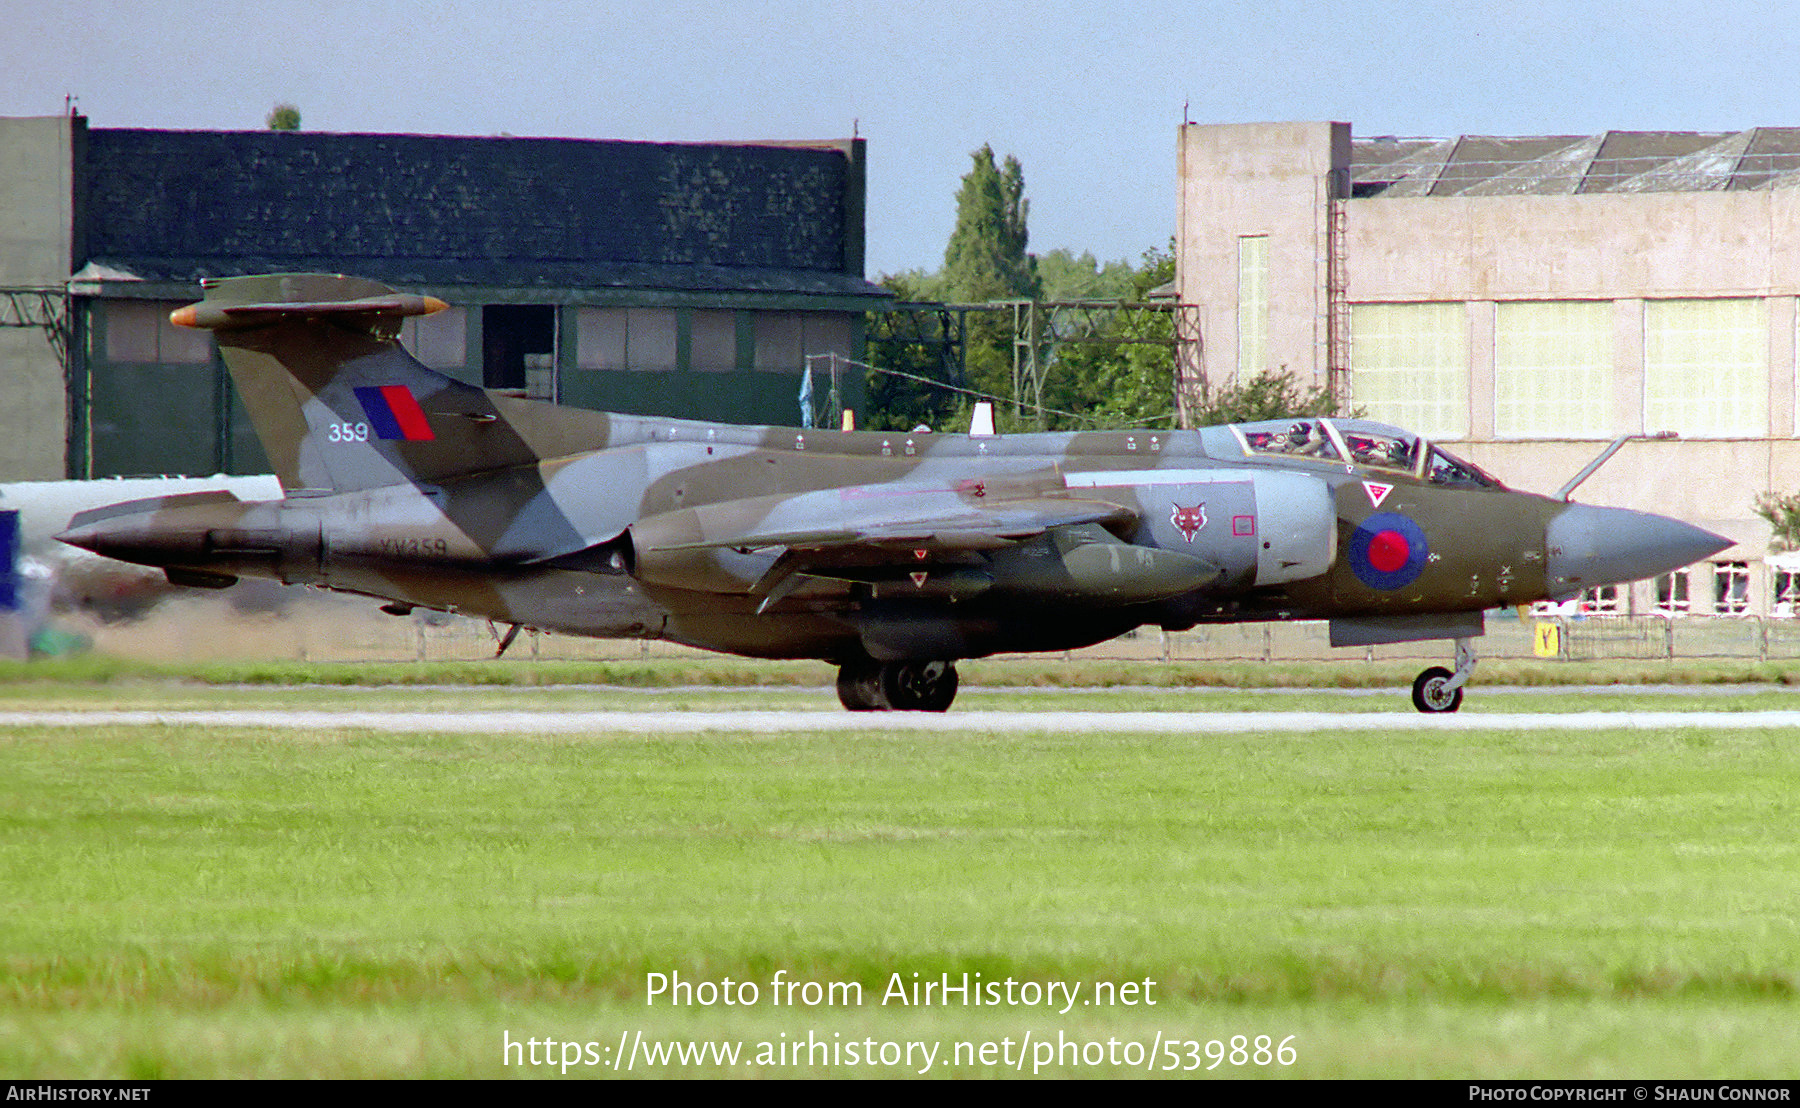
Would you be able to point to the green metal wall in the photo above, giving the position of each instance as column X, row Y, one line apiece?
column 152, row 418
column 136, row 415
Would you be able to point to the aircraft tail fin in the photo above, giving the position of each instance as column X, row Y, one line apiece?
column 340, row 405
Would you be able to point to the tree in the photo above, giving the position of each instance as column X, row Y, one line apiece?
column 1113, row 383
column 1783, row 515
column 1122, row 376
column 986, row 260
column 1064, row 276
column 1108, row 382
column 1271, row 394
column 284, row 117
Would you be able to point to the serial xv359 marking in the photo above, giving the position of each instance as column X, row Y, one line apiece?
column 890, row 555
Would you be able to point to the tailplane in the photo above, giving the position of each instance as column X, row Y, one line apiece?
column 341, row 406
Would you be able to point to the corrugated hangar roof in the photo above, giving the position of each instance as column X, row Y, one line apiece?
column 448, row 210
column 1564, row 165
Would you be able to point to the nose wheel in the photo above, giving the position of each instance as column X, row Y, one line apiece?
column 869, row 686
column 1440, row 690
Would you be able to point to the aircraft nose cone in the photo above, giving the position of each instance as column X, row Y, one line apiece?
column 92, row 537
column 132, row 538
column 1588, row 546
column 78, row 536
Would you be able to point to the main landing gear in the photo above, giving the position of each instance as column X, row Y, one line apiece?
column 1438, row 689
column 870, row 686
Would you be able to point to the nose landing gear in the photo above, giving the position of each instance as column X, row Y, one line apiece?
column 869, row 686
column 1439, row 690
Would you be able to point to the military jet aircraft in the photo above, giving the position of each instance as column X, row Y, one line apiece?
column 891, row 555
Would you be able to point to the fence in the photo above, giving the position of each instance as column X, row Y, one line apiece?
column 1593, row 638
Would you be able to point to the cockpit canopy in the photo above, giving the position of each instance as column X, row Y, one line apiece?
column 1364, row 444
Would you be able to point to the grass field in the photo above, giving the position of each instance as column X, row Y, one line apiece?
column 231, row 902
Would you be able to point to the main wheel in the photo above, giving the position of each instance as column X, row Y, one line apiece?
column 918, row 686
column 1430, row 693
column 859, row 687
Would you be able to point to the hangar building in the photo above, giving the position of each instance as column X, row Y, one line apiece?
column 1526, row 301
column 673, row 279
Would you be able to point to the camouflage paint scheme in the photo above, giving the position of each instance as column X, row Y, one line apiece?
column 888, row 554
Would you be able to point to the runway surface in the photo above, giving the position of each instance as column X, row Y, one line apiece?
column 610, row 724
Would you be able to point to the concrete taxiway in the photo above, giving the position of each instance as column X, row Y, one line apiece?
column 675, row 722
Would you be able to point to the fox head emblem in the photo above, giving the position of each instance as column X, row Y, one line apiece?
column 1188, row 520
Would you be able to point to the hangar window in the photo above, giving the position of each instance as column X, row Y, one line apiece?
column 131, row 331
column 1706, row 367
column 1409, row 365
column 780, row 338
column 650, row 339
column 1784, row 598
column 829, row 333
column 713, row 341
column 1672, row 593
column 647, row 339
column 1606, row 600
column 1253, row 305
column 1553, row 369
column 600, row 338
column 139, row 331
column 1731, row 588
column 785, row 340
column 438, row 340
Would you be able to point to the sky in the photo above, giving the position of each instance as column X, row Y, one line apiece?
column 1087, row 94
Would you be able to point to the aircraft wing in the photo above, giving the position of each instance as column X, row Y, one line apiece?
column 986, row 528
column 860, row 533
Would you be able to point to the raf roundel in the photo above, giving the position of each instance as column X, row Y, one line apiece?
column 1388, row 551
